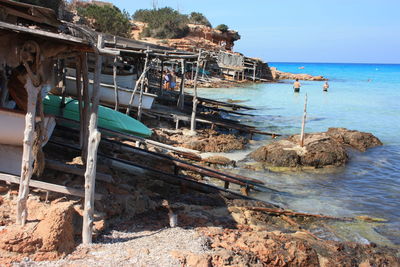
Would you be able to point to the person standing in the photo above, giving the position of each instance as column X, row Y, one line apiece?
column 173, row 80
column 167, row 81
column 296, row 86
column 325, row 87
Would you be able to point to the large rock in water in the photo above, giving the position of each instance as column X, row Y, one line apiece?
column 319, row 150
column 358, row 140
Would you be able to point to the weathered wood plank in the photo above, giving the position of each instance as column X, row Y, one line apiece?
column 47, row 186
column 54, row 165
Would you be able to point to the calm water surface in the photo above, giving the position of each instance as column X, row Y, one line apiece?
column 363, row 97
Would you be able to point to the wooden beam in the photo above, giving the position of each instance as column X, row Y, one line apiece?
column 195, row 101
column 91, row 163
column 303, row 124
column 162, row 76
column 58, row 166
column 145, row 69
column 28, row 155
column 86, row 104
column 48, row 186
column 3, row 86
column 181, row 99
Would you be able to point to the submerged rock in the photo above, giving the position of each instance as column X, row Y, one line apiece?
column 220, row 160
column 319, row 150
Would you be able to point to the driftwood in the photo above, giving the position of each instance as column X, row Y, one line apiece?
column 91, row 163
column 195, row 101
column 28, row 156
column 86, row 104
column 303, row 124
column 48, row 186
column 181, row 99
column 145, row 69
column 79, row 91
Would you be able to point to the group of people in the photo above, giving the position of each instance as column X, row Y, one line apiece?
column 169, row 80
column 297, row 85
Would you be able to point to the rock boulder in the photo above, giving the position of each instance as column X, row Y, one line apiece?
column 319, row 150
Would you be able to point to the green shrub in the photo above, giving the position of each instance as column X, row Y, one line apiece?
column 107, row 19
column 198, row 18
column 222, row 28
column 163, row 23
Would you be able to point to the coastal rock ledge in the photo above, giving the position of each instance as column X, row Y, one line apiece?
column 319, row 150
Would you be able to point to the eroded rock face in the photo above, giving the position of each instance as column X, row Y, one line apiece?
column 51, row 238
column 280, row 75
column 358, row 140
column 319, row 150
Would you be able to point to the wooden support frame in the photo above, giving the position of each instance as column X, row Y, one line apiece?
column 91, row 163
column 3, row 86
column 145, row 69
column 27, row 156
column 86, row 104
column 79, row 91
column 195, row 101
column 303, row 124
column 116, row 94
column 47, row 186
column 162, row 77
column 181, row 99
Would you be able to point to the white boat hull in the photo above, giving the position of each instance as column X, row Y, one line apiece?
column 126, row 81
column 107, row 94
column 11, row 139
column 13, row 125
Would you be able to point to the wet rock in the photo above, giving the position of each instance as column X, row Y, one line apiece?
column 358, row 140
column 219, row 160
column 319, row 150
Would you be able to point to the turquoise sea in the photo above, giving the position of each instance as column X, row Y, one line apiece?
column 363, row 97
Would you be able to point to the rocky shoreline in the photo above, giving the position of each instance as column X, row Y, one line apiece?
column 134, row 225
column 281, row 75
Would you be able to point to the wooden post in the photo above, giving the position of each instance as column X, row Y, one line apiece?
column 146, row 62
column 254, row 71
column 79, row 93
column 135, row 90
column 3, row 86
column 115, row 84
column 116, row 94
column 27, row 156
column 86, row 100
column 162, row 76
column 181, row 100
column 91, row 163
column 303, row 124
column 195, row 101
column 204, row 69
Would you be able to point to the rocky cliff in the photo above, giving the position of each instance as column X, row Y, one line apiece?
column 199, row 36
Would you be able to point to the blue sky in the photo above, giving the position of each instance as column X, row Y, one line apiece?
column 357, row 31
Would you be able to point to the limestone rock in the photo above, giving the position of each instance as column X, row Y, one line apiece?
column 358, row 140
column 319, row 150
column 219, row 160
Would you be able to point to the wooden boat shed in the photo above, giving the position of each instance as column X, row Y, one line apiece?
column 33, row 41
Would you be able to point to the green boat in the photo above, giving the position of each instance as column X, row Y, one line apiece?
column 108, row 118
